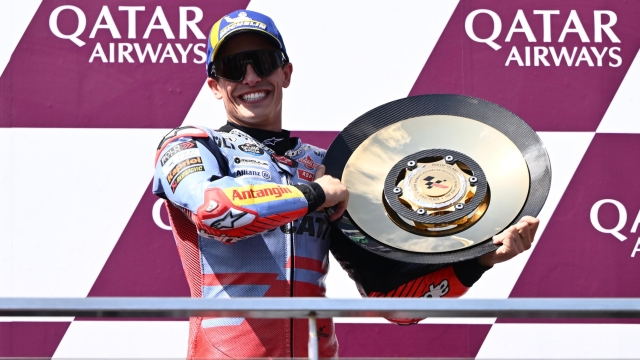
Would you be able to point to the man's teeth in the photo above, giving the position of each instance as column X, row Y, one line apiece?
column 254, row 96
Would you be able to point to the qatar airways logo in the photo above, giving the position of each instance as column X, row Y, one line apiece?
column 547, row 49
column 594, row 216
column 128, row 46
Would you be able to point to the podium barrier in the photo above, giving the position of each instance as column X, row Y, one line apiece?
column 312, row 308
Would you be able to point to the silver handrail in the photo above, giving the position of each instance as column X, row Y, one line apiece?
column 313, row 308
column 272, row 307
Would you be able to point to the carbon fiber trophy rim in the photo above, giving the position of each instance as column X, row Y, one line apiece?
column 510, row 125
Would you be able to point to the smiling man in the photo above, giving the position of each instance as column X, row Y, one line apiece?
column 245, row 203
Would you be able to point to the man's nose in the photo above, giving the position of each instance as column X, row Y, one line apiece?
column 250, row 76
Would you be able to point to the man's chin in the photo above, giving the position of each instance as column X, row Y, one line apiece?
column 253, row 116
column 253, row 121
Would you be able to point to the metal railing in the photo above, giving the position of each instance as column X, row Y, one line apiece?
column 313, row 308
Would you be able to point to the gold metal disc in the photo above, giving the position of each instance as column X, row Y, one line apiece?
column 505, row 169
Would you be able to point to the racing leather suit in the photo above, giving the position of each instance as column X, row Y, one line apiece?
column 245, row 224
column 242, row 212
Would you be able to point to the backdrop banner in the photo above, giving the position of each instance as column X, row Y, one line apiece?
column 89, row 88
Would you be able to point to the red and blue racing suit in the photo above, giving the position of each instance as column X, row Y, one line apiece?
column 245, row 224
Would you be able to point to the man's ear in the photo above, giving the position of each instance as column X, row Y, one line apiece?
column 288, row 69
column 215, row 87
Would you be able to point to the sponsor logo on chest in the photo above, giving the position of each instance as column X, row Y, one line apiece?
column 285, row 160
column 305, row 175
column 249, row 161
column 256, row 173
column 294, row 153
column 251, row 149
column 308, row 162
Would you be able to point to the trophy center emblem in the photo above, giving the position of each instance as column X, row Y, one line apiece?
column 434, row 182
column 435, row 191
column 433, row 185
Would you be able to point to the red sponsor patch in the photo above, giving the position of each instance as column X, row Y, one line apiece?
column 284, row 160
column 305, row 175
column 308, row 163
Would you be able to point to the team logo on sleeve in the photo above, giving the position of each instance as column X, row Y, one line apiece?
column 191, row 144
column 180, row 157
column 186, row 172
column 181, row 165
column 256, row 194
column 232, row 219
column 251, row 149
column 319, row 154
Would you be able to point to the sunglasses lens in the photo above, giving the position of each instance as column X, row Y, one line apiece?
column 233, row 67
column 266, row 62
column 230, row 68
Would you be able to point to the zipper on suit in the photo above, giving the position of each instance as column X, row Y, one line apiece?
column 291, row 269
column 292, row 294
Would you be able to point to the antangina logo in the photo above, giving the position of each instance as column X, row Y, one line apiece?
column 255, row 194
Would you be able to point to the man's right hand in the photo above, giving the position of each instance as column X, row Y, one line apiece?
column 335, row 193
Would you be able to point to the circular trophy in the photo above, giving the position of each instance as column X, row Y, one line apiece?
column 433, row 178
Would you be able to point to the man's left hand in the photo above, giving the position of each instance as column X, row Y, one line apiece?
column 514, row 240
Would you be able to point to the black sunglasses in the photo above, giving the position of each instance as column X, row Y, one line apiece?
column 233, row 67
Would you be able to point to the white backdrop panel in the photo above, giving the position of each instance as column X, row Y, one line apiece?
column 77, row 190
column 14, row 19
column 337, row 73
column 622, row 115
column 124, row 339
column 561, row 341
